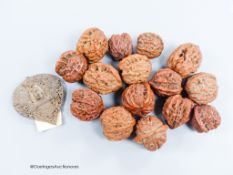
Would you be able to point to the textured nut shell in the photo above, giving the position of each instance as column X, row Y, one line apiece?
column 149, row 44
column 177, row 111
column 205, row 118
column 166, row 82
column 117, row 123
column 139, row 99
column 202, row 88
column 120, row 46
column 93, row 44
column 102, row 78
column 71, row 66
column 185, row 59
column 135, row 68
column 151, row 132
column 39, row 97
column 86, row 104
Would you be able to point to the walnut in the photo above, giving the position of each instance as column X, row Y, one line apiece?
column 71, row 66
column 117, row 123
column 205, row 118
column 166, row 82
column 102, row 78
column 177, row 110
column 185, row 59
column 135, row 68
column 86, row 104
column 202, row 88
column 39, row 97
column 139, row 99
column 151, row 132
column 93, row 44
column 149, row 44
column 120, row 46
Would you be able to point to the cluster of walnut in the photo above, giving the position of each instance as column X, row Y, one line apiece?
column 187, row 94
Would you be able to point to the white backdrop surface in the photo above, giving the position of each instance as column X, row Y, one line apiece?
column 34, row 33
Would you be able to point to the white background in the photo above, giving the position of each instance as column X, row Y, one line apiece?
column 33, row 34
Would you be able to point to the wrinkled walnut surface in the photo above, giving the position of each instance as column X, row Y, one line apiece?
column 150, row 45
column 86, row 104
column 177, row 110
column 120, row 46
column 139, row 99
column 71, row 66
column 202, row 88
column 166, row 82
column 205, row 118
column 93, row 44
column 117, row 123
column 102, row 78
column 135, row 68
column 39, row 97
column 151, row 132
column 185, row 59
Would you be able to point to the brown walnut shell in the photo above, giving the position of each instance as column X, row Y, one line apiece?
column 151, row 132
column 86, row 104
column 139, row 99
column 93, row 44
column 202, row 88
column 71, row 66
column 102, row 78
column 135, row 68
column 150, row 45
column 205, row 118
column 117, row 123
column 120, row 46
column 166, row 82
column 177, row 110
column 185, row 59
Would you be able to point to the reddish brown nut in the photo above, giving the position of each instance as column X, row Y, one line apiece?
column 177, row 111
column 135, row 68
column 102, row 78
column 166, row 82
column 93, row 44
column 71, row 66
column 149, row 44
column 86, row 104
column 151, row 132
column 202, row 88
column 185, row 59
column 139, row 99
column 117, row 123
column 120, row 46
column 205, row 118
